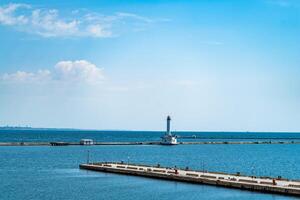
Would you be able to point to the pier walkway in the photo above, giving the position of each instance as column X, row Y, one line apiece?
column 146, row 143
column 259, row 184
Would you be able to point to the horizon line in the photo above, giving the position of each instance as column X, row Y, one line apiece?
column 120, row 130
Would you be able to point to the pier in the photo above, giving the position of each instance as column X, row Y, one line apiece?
column 238, row 181
column 146, row 143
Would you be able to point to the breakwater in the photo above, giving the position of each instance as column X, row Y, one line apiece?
column 144, row 143
column 260, row 184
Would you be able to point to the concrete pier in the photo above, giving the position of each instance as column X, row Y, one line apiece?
column 252, row 183
column 145, row 143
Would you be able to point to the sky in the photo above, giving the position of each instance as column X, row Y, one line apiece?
column 213, row 65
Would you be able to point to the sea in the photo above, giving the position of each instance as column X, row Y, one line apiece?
column 52, row 172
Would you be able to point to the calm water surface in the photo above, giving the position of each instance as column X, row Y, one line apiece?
column 52, row 172
column 137, row 136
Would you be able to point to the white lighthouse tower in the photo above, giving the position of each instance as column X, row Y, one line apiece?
column 168, row 138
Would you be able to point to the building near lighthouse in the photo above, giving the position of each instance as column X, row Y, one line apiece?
column 168, row 138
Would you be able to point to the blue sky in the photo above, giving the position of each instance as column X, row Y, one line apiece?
column 212, row 65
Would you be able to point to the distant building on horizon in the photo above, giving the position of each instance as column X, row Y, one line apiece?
column 86, row 142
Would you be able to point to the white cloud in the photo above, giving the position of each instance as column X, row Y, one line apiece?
column 49, row 23
column 79, row 71
column 21, row 76
column 98, row 31
column 7, row 16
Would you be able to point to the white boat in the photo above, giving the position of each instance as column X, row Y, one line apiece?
column 168, row 138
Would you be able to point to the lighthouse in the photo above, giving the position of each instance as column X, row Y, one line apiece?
column 168, row 138
column 168, row 125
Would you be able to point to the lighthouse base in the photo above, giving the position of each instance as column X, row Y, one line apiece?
column 169, row 140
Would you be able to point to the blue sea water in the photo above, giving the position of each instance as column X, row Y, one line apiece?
column 48, row 173
column 36, row 135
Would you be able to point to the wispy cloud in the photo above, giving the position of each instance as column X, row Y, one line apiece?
column 22, row 76
column 79, row 71
column 50, row 23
